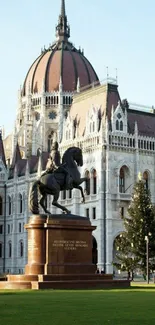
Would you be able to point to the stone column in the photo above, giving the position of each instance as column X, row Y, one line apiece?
column 36, row 245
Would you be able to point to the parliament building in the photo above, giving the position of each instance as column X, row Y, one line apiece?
column 62, row 98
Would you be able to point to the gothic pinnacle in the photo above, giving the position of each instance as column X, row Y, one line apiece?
column 63, row 11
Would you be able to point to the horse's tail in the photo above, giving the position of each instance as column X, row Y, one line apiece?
column 33, row 198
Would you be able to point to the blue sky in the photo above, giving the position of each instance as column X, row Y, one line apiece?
column 117, row 33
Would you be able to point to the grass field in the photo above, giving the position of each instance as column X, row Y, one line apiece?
column 123, row 307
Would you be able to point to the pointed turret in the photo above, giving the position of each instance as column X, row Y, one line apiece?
column 16, row 156
column 62, row 29
column 40, row 167
column 78, row 85
column 43, row 86
column 63, row 11
column 136, row 135
column 2, row 153
column 136, row 128
column 60, row 85
column 112, row 112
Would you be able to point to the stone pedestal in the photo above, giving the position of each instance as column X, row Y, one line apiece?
column 36, row 245
column 60, row 256
column 68, row 245
column 59, row 245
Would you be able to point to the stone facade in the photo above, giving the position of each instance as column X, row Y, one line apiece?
column 117, row 140
column 112, row 158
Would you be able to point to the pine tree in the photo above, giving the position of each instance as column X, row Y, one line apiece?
column 125, row 260
column 131, row 245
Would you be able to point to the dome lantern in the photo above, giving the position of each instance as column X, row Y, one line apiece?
column 62, row 29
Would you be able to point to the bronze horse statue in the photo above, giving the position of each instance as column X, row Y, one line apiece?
column 53, row 183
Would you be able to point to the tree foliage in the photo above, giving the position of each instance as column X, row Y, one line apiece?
column 131, row 244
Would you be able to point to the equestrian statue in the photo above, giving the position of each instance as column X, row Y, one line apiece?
column 57, row 177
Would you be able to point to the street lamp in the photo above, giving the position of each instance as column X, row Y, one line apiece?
column 147, row 256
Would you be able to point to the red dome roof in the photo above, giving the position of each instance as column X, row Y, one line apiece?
column 63, row 60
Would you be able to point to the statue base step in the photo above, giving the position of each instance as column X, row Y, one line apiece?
column 60, row 256
column 63, row 281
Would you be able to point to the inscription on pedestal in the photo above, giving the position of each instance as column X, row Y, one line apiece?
column 32, row 245
column 70, row 244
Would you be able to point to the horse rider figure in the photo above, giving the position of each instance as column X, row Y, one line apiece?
column 54, row 165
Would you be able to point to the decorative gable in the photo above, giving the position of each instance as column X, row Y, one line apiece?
column 92, row 120
column 3, row 171
column 69, row 129
column 119, row 119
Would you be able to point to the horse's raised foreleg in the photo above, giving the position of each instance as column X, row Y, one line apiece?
column 56, row 204
column 81, row 190
column 84, row 179
column 44, row 196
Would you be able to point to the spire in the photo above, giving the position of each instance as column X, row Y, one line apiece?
column 60, row 84
column 62, row 29
column 2, row 153
column 43, row 85
column 63, row 11
column 136, row 128
column 40, row 169
column 78, row 85
column 16, row 156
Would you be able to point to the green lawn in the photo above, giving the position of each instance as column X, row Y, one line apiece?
column 134, row 306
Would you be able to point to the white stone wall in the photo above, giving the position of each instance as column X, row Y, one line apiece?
column 105, row 157
column 93, row 159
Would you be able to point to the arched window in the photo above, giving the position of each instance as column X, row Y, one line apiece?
column 116, row 243
column 70, row 194
column 50, row 141
column 147, row 145
column 122, row 181
column 1, row 206
column 9, row 205
column 20, row 203
column 144, row 144
column 87, row 183
column 94, row 181
column 121, row 126
column 64, row 195
column 10, row 249
column 146, row 179
column 24, row 203
column 117, row 125
column 94, row 250
column 1, row 250
column 21, row 246
column 12, row 203
column 38, row 152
